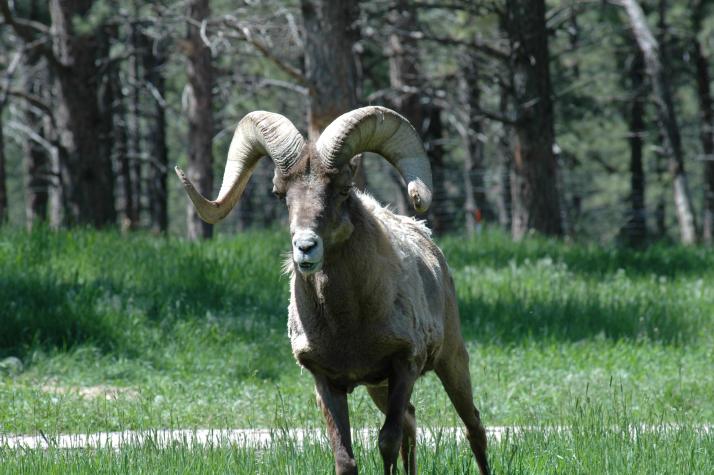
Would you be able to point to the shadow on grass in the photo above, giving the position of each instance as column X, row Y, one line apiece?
column 495, row 249
column 512, row 320
column 58, row 290
column 43, row 312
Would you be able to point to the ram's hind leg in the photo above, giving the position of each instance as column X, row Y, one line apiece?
column 380, row 395
column 453, row 371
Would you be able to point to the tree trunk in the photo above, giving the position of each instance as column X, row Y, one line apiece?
column 125, row 201
column 433, row 131
column 505, row 148
column 37, row 161
column 636, row 231
column 330, row 34
column 536, row 203
column 706, row 112
column 136, row 84
column 57, row 196
column 82, row 129
column 331, row 31
column 3, row 177
column 656, row 67
column 200, row 115
column 154, row 62
column 476, row 203
column 36, row 158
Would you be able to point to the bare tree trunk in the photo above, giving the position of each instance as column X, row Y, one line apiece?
column 536, row 203
column 154, row 62
column 655, row 67
column 125, row 201
column 37, row 171
column 661, row 208
column 476, row 203
column 330, row 34
column 3, row 176
column 36, row 158
column 134, row 142
column 331, row 31
column 57, row 196
column 505, row 167
column 706, row 112
column 439, row 214
column 637, row 224
column 87, row 169
column 200, row 115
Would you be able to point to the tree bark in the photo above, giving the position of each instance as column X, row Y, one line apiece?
column 330, row 34
column 476, row 203
column 154, row 62
column 331, row 31
column 36, row 159
column 3, row 176
column 199, row 94
column 706, row 112
column 505, row 194
column 125, row 201
column 87, row 169
column 636, row 230
column 535, row 194
column 656, row 65
column 134, row 142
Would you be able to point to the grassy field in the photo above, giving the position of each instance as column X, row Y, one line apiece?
column 117, row 332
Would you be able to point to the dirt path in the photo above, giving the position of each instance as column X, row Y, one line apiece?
column 262, row 438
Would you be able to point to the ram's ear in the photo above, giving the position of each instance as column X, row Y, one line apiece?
column 355, row 166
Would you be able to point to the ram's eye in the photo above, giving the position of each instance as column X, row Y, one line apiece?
column 279, row 195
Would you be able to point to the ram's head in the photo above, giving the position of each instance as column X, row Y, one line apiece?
column 315, row 180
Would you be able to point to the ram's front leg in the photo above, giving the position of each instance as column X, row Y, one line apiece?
column 401, row 383
column 333, row 402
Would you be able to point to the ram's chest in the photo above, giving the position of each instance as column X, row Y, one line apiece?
column 354, row 352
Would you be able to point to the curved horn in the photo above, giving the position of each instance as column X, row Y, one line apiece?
column 257, row 134
column 383, row 131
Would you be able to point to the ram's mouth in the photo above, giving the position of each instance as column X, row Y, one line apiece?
column 308, row 267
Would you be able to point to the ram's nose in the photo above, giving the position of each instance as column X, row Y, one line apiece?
column 305, row 243
column 307, row 251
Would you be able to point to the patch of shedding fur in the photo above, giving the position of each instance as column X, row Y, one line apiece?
column 387, row 215
column 404, row 232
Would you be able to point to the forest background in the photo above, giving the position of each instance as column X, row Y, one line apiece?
column 586, row 119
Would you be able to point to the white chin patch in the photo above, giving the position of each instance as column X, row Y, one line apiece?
column 307, row 268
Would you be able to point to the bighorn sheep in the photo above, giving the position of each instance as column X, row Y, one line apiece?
column 372, row 300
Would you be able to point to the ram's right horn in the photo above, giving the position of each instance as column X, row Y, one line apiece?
column 257, row 134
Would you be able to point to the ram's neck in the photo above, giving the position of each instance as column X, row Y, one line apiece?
column 355, row 282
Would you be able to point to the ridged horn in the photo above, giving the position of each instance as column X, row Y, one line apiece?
column 258, row 134
column 383, row 131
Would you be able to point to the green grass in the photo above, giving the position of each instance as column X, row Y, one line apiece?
column 136, row 332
